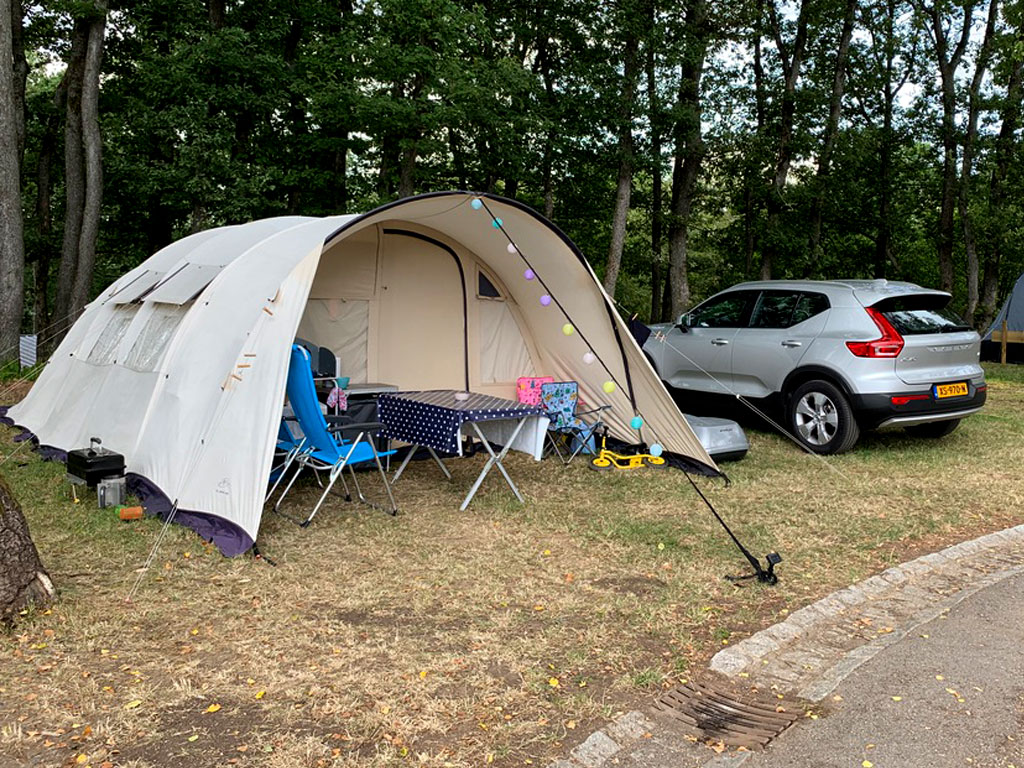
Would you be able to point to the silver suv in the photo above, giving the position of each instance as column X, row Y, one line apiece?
column 843, row 355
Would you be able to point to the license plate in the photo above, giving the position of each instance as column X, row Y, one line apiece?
column 950, row 390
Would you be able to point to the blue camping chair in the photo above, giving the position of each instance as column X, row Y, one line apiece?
column 324, row 449
column 288, row 447
column 568, row 434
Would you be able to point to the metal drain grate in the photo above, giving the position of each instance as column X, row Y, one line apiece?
column 719, row 715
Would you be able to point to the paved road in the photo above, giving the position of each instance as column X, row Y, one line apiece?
column 977, row 650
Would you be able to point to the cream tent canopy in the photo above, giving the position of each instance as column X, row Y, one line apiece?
column 180, row 364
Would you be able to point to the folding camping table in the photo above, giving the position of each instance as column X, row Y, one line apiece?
column 435, row 420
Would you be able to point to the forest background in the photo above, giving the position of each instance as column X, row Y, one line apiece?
column 683, row 145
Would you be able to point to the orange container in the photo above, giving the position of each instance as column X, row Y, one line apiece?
column 130, row 513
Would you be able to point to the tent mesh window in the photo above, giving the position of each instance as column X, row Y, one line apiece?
column 103, row 351
column 485, row 288
column 152, row 341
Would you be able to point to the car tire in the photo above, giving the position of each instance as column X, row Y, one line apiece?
column 933, row 430
column 821, row 418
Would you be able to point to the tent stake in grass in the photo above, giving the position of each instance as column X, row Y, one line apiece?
column 765, row 575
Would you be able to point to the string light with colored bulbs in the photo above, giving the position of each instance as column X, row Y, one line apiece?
column 568, row 329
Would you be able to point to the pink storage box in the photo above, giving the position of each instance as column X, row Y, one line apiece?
column 528, row 388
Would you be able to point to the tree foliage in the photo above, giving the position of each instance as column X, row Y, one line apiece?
column 693, row 143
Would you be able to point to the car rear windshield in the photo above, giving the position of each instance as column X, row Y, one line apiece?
column 913, row 315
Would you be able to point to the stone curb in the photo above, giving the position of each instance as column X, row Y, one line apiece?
column 604, row 744
column 750, row 655
column 925, row 588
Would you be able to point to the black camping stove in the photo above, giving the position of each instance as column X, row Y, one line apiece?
column 87, row 466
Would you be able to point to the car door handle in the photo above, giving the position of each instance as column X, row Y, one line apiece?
column 792, row 343
column 719, row 342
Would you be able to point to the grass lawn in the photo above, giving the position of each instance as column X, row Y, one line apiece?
column 504, row 634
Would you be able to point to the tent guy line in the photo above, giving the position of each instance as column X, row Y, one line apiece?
column 662, row 339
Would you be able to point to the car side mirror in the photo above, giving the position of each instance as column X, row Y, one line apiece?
column 684, row 322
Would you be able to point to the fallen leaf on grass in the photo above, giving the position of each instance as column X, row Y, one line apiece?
column 133, row 704
column 553, row 682
column 194, row 737
column 897, row 698
column 213, row 708
column 260, row 694
column 867, row 764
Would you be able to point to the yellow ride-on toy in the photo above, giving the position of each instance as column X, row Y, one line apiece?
column 607, row 459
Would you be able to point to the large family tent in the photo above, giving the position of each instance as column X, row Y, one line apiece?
column 180, row 365
column 1007, row 330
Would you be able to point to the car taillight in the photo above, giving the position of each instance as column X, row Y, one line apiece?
column 904, row 399
column 889, row 345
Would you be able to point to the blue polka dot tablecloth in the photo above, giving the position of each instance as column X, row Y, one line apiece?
column 434, row 418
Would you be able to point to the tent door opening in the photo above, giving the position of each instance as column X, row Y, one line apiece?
column 422, row 336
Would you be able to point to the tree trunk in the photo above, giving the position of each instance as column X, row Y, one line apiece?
column 656, row 186
column 407, row 170
column 884, row 41
column 74, row 169
column 92, row 152
column 21, row 69
column 883, row 235
column 340, row 165
column 1005, row 151
column 12, row 241
column 23, row 580
column 792, row 61
column 751, row 164
column 829, row 137
column 216, row 13
column 948, row 63
column 44, row 211
column 967, row 162
column 624, row 184
column 689, row 150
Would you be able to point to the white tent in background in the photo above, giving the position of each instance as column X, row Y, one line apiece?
column 180, row 365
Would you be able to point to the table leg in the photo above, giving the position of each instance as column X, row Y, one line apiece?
column 408, row 457
column 439, row 463
column 405, row 461
column 495, row 459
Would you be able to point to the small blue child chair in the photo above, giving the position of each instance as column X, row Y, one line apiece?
column 568, row 434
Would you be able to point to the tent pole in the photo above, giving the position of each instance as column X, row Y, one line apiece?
column 1002, row 344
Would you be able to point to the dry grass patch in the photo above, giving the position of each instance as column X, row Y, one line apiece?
column 505, row 633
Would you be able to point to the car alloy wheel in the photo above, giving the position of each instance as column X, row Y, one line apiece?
column 820, row 417
column 816, row 419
